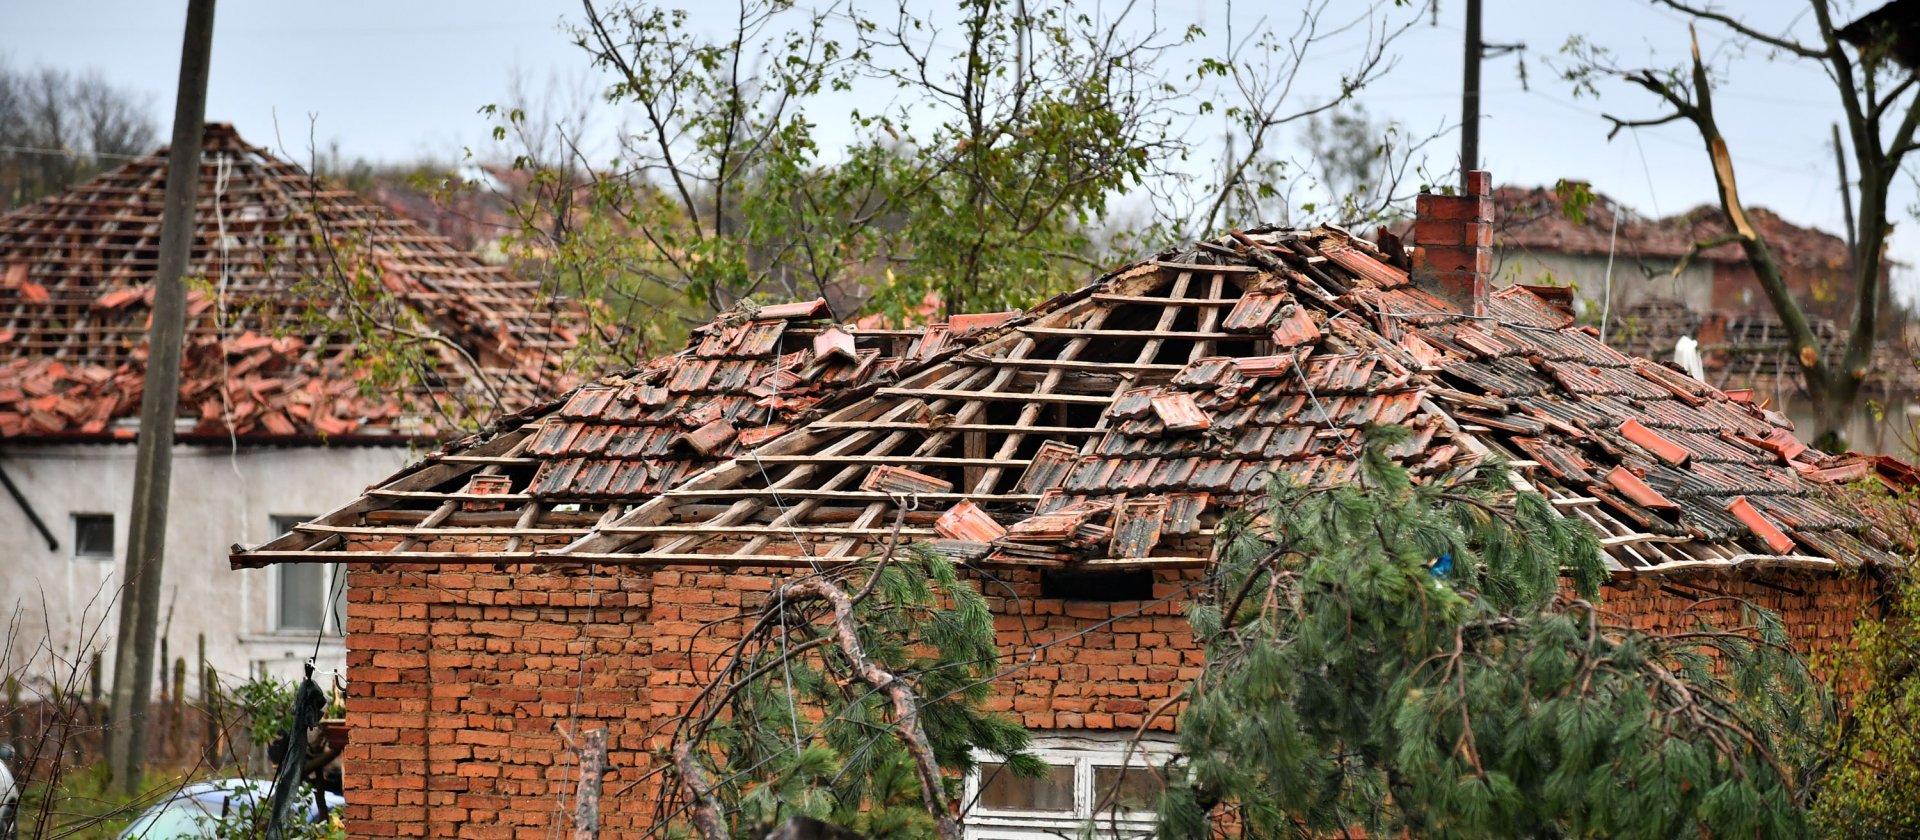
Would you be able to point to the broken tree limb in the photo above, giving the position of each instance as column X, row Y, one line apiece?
column 586, row 799
column 706, row 809
column 906, row 706
column 1698, row 247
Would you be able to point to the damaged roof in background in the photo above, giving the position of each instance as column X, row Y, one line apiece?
column 273, row 249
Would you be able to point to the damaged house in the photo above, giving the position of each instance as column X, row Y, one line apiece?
column 576, row 565
column 278, row 418
column 1662, row 291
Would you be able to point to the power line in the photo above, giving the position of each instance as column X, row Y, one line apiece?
column 40, row 150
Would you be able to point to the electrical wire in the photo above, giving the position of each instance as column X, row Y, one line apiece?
column 72, row 153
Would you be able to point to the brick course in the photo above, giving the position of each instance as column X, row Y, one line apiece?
column 461, row 682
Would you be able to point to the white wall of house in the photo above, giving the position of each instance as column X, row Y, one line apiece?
column 59, row 601
column 1587, row 273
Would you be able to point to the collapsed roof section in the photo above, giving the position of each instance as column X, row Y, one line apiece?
column 1110, row 427
column 278, row 259
column 547, row 475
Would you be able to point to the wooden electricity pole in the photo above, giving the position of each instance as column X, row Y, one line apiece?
column 1476, row 49
column 1470, row 96
column 159, row 401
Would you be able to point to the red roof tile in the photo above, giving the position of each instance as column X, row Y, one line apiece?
column 1651, row 440
column 1067, row 423
column 1630, row 485
column 1744, row 510
column 966, row 521
column 806, row 310
column 76, row 298
column 902, row 480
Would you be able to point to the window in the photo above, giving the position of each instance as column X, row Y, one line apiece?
column 1123, row 585
column 1092, row 777
column 93, row 536
column 308, row 597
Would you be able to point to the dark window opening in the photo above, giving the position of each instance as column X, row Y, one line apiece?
column 1127, row 585
column 283, row 524
column 93, row 535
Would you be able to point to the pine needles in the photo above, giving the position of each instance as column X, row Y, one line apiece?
column 855, row 697
column 1400, row 658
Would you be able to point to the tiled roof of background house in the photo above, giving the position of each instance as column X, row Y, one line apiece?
column 1111, row 427
column 1744, row 345
column 1533, row 219
column 274, row 253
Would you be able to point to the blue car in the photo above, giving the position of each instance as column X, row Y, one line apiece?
column 192, row 810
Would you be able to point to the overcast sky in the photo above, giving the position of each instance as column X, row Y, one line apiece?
column 399, row 80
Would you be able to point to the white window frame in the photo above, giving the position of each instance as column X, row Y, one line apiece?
column 329, row 623
column 1084, row 752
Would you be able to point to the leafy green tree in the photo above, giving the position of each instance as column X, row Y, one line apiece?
column 1873, row 747
column 1876, row 748
column 906, row 161
column 1401, row 658
column 854, row 697
column 967, row 174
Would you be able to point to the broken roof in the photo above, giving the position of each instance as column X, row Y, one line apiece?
column 1111, row 426
column 264, row 359
column 1534, row 219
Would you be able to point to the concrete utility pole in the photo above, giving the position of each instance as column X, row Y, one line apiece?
column 159, row 401
column 1470, row 96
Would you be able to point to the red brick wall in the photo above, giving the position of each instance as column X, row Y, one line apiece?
column 1820, row 610
column 460, row 681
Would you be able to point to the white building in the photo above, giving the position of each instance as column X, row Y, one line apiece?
column 277, row 416
column 60, row 591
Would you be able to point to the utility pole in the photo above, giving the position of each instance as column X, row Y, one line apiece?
column 1470, row 96
column 159, row 402
column 1476, row 49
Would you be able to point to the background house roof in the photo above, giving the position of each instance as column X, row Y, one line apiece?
column 1534, row 219
column 280, row 262
column 1111, row 427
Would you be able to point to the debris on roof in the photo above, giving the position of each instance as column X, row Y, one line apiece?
column 966, row 521
column 1136, row 527
column 1116, row 425
column 75, row 295
column 903, row 481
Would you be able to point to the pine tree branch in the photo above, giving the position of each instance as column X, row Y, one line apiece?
column 906, row 706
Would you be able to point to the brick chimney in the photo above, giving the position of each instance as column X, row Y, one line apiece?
column 1453, row 244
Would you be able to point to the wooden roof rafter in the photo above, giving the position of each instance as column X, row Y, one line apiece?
column 1190, row 379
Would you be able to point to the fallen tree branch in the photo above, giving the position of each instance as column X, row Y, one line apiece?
column 906, row 706
column 705, row 808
